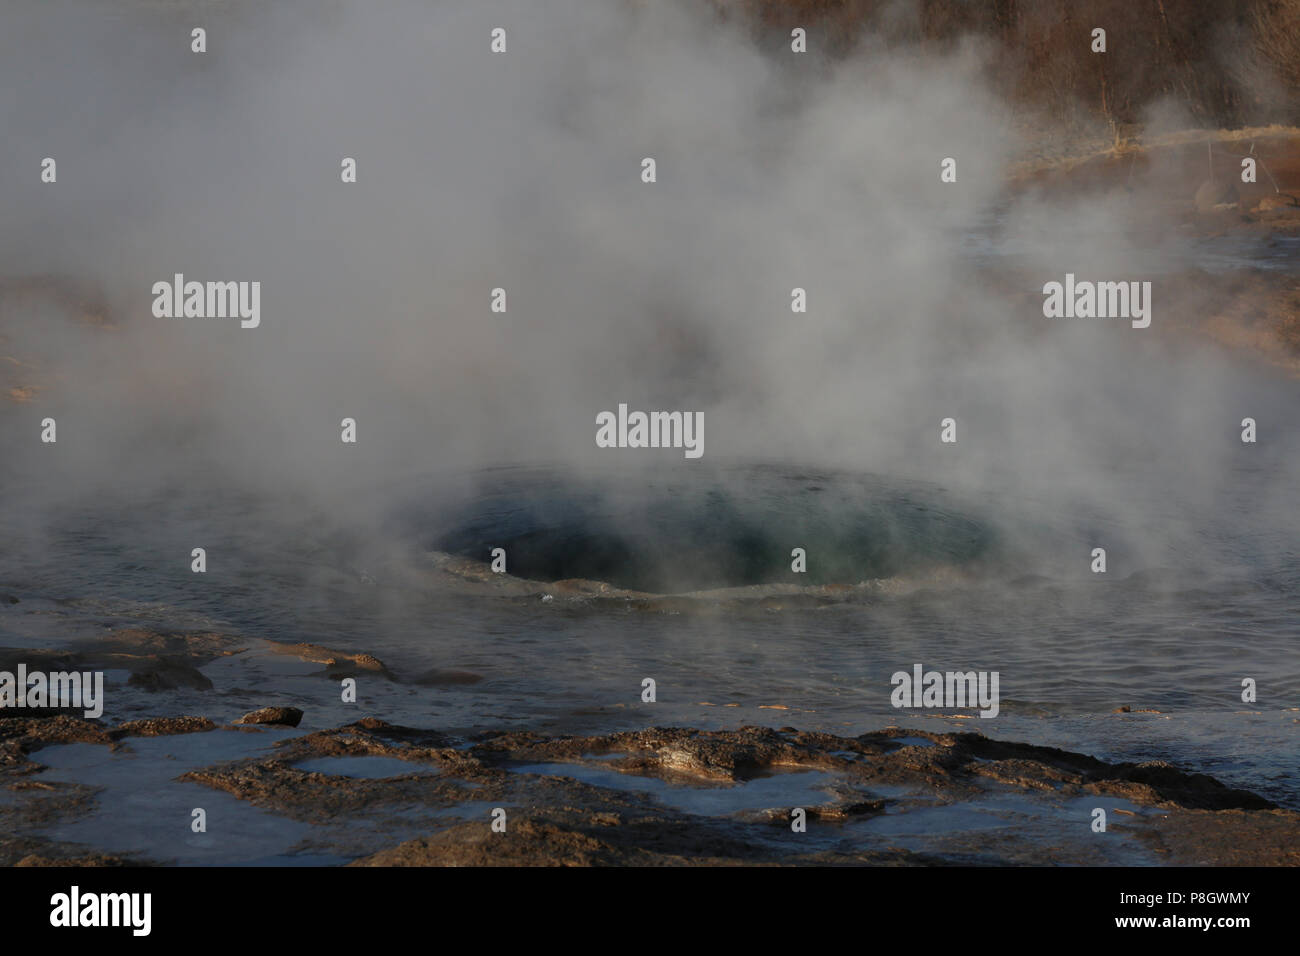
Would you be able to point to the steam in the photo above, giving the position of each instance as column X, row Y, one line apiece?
column 522, row 171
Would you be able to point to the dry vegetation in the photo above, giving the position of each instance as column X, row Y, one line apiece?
column 1218, row 62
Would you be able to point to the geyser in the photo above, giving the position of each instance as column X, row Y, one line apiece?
column 732, row 528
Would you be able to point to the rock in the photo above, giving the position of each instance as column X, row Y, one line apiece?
column 1276, row 201
column 556, row 818
column 1212, row 193
column 283, row 716
column 337, row 663
column 164, row 726
column 169, row 673
column 32, row 732
column 97, row 859
column 8, row 599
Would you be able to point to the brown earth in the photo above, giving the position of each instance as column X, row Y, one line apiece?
column 554, row 819
column 1166, row 172
column 157, row 660
column 557, row 820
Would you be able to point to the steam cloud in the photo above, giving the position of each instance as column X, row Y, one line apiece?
column 522, row 171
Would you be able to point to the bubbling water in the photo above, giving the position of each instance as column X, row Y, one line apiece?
column 726, row 528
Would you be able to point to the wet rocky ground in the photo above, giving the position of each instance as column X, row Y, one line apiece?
column 371, row 793
column 269, row 784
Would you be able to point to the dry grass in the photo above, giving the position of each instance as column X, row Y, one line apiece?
column 1222, row 62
